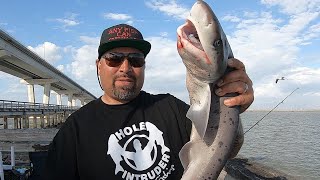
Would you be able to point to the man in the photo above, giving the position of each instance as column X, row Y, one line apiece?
column 128, row 133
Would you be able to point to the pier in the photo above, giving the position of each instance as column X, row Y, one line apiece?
column 29, row 126
column 22, row 115
column 25, row 124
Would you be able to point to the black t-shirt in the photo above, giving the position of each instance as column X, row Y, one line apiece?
column 137, row 140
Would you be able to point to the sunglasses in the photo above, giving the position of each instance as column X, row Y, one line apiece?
column 115, row 59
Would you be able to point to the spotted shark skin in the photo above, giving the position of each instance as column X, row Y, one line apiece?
column 216, row 133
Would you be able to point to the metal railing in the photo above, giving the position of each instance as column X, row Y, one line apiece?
column 6, row 105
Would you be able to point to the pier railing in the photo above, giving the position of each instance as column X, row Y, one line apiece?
column 27, row 115
column 11, row 107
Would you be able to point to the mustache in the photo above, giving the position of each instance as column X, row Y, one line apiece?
column 125, row 76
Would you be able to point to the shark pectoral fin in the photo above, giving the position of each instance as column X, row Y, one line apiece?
column 184, row 155
column 191, row 153
column 199, row 111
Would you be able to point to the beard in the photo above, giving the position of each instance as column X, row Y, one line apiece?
column 125, row 92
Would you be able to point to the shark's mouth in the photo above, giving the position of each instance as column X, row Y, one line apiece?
column 189, row 32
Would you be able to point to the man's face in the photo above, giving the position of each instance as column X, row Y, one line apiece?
column 121, row 83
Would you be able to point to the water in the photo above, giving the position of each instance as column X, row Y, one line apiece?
column 287, row 141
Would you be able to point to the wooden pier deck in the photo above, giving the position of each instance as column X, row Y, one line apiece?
column 23, row 140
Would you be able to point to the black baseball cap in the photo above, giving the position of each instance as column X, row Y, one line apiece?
column 122, row 35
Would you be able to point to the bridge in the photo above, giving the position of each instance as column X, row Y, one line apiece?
column 19, row 61
column 24, row 125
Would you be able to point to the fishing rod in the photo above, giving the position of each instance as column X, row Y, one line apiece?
column 270, row 111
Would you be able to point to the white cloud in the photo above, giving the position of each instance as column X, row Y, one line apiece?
column 61, row 68
column 4, row 75
column 130, row 22
column 164, row 34
column 313, row 32
column 83, row 67
column 90, row 40
column 294, row 7
column 48, row 51
column 231, row 18
column 83, row 64
column 305, row 76
column 11, row 88
column 312, row 94
column 165, row 72
column 271, row 48
column 68, row 21
column 68, row 49
column 170, row 8
column 297, row 25
column 117, row 16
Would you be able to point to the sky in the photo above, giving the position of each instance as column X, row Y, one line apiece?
column 273, row 38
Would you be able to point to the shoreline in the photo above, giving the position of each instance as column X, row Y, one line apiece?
column 264, row 110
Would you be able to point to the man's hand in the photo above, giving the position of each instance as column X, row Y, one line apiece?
column 236, row 81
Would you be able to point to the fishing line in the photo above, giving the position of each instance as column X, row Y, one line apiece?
column 270, row 111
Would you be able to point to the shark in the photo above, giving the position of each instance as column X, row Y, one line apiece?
column 217, row 132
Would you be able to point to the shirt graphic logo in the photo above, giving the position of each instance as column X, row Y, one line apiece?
column 139, row 152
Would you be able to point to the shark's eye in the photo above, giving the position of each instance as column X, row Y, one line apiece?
column 217, row 43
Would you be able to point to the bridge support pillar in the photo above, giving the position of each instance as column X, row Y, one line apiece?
column 5, row 122
column 47, row 88
column 48, row 123
column 46, row 93
column 31, row 119
column 15, row 123
column 62, row 118
column 53, row 120
column 42, row 121
column 35, row 125
column 82, row 102
column 70, row 96
column 73, row 102
column 25, row 122
column 31, row 97
column 58, row 117
column 59, row 102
